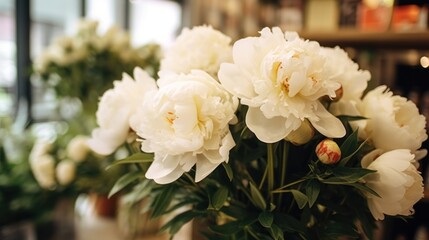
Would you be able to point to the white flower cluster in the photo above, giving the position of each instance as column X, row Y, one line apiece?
column 285, row 81
column 48, row 170
column 183, row 118
column 69, row 49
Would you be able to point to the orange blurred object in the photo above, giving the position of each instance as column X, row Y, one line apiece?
column 406, row 17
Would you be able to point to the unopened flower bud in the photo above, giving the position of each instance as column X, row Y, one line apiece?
column 328, row 151
column 78, row 149
column 302, row 135
column 66, row 172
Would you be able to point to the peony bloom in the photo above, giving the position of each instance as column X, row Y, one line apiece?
column 281, row 78
column 66, row 172
column 393, row 121
column 353, row 81
column 78, row 149
column 397, row 181
column 115, row 108
column 185, row 123
column 201, row 47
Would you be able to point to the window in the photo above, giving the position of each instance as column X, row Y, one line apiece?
column 7, row 58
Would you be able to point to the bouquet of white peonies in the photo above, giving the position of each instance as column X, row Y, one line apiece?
column 269, row 138
column 84, row 65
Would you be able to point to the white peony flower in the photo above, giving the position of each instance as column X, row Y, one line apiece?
column 393, row 121
column 353, row 81
column 66, row 172
column 78, row 149
column 201, row 47
column 43, row 168
column 281, row 77
column 115, row 108
column 397, row 181
column 186, row 123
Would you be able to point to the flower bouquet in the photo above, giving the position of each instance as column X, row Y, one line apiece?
column 270, row 138
column 81, row 67
column 84, row 65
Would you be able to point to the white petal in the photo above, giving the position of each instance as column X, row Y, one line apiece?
column 245, row 52
column 370, row 157
column 204, row 168
column 187, row 118
column 327, row 124
column 236, row 81
column 171, row 177
column 141, row 75
column 162, row 166
column 296, row 83
column 105, row 141
column 267, row 130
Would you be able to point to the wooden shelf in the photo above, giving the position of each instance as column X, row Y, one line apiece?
column 379, row 40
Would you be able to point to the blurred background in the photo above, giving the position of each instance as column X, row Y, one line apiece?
column 389, row 38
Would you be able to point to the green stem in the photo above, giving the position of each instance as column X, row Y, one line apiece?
column 263, row 177
column 284, row 163
column 270, row 167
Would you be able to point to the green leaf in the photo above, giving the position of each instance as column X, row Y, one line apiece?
column 178, row 221
column 228, row 171
column 363, row 187
column 290, row 224
column 181, row 203
column 124, row 181
column 351, row 118
column 257, row 198
column 338, row 229
column 276, row 232
column 162, row 200
column 135, row 158
column 351, row 174
column 345, row 160
column 219, row 198
column 266, row 219
column 300, row 198
column 233, row 226
column 312, row 191
column 350, row 144
column 140, row 191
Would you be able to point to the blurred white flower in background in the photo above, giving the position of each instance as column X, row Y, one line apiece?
column 78, row 149
column 65, row 172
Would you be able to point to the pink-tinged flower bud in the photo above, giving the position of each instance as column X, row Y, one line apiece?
column 302, row 135
column 328, row 151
